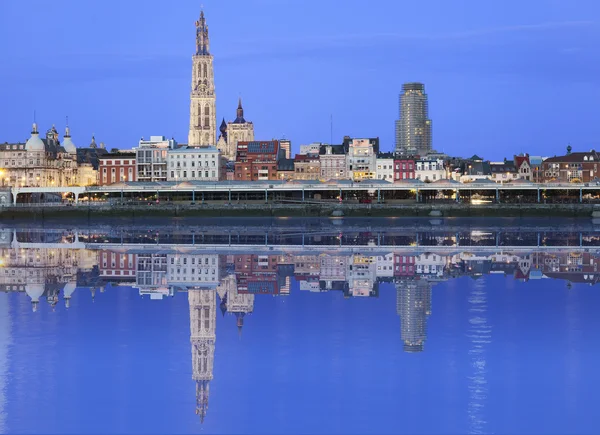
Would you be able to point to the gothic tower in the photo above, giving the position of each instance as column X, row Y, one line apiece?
column 203, row 309
column 203, row 114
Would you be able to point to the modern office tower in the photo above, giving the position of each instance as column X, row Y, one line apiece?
column 413, row 129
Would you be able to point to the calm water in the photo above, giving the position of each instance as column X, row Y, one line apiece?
column 358, row 330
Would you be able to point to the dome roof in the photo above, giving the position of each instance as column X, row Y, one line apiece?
column 34, row 143
column 68, row 144
column 34, row 291
column 69, row 289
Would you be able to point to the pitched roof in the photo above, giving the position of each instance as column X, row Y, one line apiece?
column 575, row 158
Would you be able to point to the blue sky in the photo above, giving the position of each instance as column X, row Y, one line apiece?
column 502, row 77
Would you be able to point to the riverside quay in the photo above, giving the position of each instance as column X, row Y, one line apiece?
column 309, row 192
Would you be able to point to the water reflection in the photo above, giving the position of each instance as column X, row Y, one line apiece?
column 219, row 281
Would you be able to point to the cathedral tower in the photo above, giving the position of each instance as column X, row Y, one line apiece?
column 203, row 308
column 203, row 114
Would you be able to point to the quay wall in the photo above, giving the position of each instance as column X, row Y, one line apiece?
column 37, row 212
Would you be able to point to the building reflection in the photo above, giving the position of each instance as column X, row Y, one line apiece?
column 230, row 283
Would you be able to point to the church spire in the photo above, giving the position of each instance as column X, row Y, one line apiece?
column 240, row 113
column 202, row 41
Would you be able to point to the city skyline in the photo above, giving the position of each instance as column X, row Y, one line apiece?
column 161, row 78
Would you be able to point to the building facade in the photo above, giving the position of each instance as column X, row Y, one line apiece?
column 151, row 158
column 203, row 100
column 333, row 162
column 198, row 163
column 404, row 169
column 43, row 162
column 385, row 167
column 115, row 167
column 361, row 161
column 307, row 167
column 257, row 160
column 413, row 129
column 429, row 170
column 233, row 132
column 579, row 167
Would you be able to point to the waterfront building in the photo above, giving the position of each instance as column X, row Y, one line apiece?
column 151, row 158
column 203, row 105
column 404, row 169
column 238, row 130
column 307, row 167
column 285, row 169
column 503, row 172
column 333, row 162
column 257, row 160
column 40, row 162
column 115, row 167
column 198, row 163
column 413, row 129
column 472, row 170
column 429, row 170
column 385, row 167
column 523, row 167
column 578, row 167
column 362, row 160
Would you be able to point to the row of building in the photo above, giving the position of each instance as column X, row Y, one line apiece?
column 236, row 154
column 47, row 162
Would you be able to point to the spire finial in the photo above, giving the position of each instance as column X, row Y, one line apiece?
column 202, row 41
column 67, row 129
column 34, row 130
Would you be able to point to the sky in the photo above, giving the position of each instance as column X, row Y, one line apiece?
column 503, row 77
column 307, row 363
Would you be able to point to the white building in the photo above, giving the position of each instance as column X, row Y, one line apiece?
column 385, row 168
column 430, row 170
column 195, row 163
column 333, row 162
column 151, row 158
column 361, row 160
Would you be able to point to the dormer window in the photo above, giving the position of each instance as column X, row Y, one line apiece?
column 585, row 158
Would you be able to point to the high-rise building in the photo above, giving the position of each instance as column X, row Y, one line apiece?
column 413, row 129
column 203, row 114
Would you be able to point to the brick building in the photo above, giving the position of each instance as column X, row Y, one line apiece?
column 257, row 160
column 404, row 169
column 115, row 167
column 572, row 168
